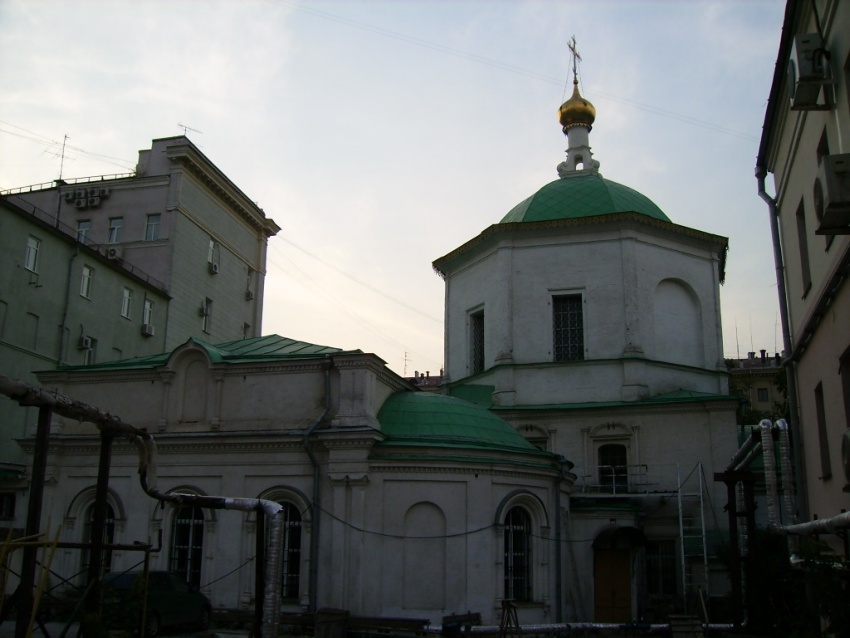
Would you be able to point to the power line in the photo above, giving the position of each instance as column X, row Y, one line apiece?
column 510, row 68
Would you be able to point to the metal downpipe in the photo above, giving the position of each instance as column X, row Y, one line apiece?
column 315, row 505
column 793, row 414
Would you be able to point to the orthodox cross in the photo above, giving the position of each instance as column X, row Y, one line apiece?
column 576, row 56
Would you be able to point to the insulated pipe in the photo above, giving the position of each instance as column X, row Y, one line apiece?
column 761, row 173
column 315, row 506
column 820, row 525
column 746, row 446
column 769, row 457
column 787, row 471
column 29, row 395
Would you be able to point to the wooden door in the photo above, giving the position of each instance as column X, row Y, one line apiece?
column 612, row 585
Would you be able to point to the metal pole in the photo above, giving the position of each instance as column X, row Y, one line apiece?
column 98, row 527
column 29, row 557
column 259, row 574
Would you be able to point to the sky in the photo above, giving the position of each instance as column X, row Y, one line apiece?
column 380, row 135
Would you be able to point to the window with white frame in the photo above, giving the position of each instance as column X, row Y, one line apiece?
column 90, row 353
column 518, row 555
column 115, row 225
column 568, row 327
column 83, row 228
column 187, row 544
column 206, row 315
column 86, row 282
column 126, row 298
column 147, row 312
column 152, row 227
column 33, row 248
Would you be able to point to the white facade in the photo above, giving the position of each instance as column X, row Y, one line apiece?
column 404, row 529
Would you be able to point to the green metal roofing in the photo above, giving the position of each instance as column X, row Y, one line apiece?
column 268, row 348
column 425, row 418
column 582, row 195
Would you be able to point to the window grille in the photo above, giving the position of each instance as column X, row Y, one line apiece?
column 187, row 544
column 613, row 475
column 661, row 567
column 108, row 539
column 568, row 327
column 518, row 555
column 476, row 340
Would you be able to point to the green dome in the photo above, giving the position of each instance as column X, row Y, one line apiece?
column 425, row 418
column 582, row 195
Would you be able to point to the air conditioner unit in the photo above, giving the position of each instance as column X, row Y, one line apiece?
column 81, row 193
column 94, row 202
column 834, row 178
column 84, row 343
column 114, row 253
column 81, row 203
column 69, row 196
column 105, row 191
column 213, row 268
column 94, row 191
column 249, row 295
column 808, row 71
column 147, row 330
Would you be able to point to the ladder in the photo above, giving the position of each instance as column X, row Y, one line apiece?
column 693, row 542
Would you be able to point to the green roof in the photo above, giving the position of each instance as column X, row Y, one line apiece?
column 582, row 195
column 425, row 418
column 268, row 348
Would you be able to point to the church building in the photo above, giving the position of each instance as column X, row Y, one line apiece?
column 566, row 466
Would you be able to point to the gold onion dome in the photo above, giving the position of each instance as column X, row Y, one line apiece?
column 576, row 111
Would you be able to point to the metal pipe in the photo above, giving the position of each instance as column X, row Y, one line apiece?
column 30, row 395
column 784, row 316
column 746, row 446
column 315, row 505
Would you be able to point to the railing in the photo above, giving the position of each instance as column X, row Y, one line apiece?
column 51, row 220
column 75, row 180
column 628, row 480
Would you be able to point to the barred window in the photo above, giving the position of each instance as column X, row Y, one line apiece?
column 88, row 537
column 518, row 555
column 613, row 471
column 290, row 558
column 568, row 327
column 187, row 544
column 476, row 341
column 661, row 567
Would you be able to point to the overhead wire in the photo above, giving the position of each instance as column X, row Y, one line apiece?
column 511, row 68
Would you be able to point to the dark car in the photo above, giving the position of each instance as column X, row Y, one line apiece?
column 171, row 602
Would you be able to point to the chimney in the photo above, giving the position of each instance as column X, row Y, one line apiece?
column 763, row 357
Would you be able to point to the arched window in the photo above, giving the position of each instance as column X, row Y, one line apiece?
column 108, row 538
column 518, row 555
column 613, row 471
column 187, row 544
column 290, row 556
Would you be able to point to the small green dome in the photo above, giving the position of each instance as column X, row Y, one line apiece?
column 582, row 194
column 425, row 418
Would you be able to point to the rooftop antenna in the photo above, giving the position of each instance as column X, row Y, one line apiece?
column 62, row 161
column 186, row 129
